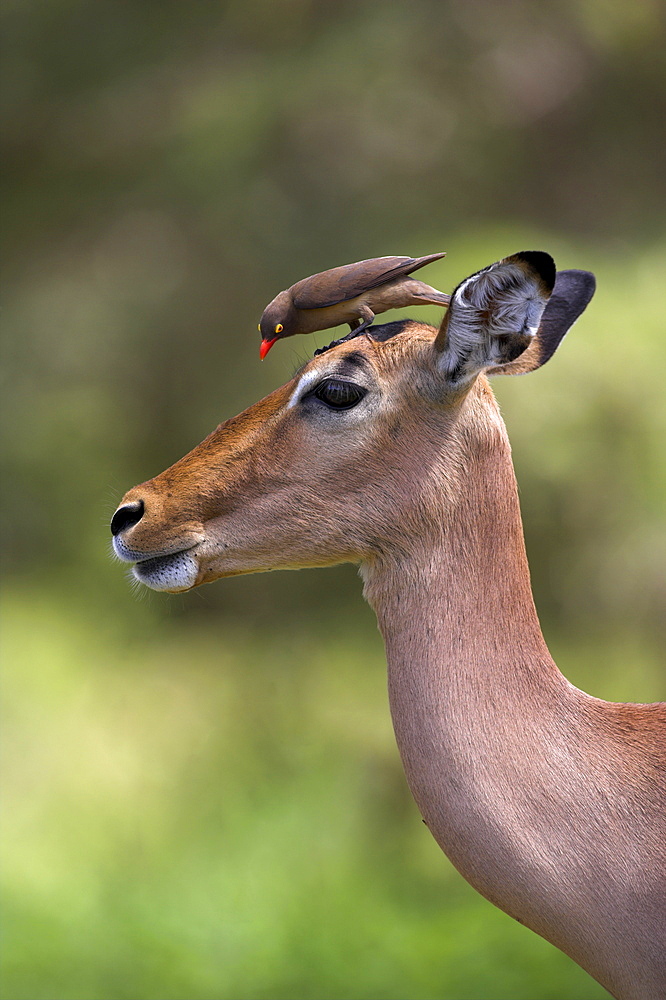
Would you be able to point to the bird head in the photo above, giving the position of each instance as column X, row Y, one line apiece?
column 276, row 322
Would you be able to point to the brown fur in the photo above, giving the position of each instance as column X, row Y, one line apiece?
column 550, row 802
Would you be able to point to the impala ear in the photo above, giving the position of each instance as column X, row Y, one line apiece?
column 571, row 294
column 494, row 315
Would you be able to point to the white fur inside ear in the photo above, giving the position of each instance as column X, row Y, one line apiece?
column 489, row 311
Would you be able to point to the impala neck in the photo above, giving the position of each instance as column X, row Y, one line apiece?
column 522, row 779
column 457, row 605
column 474, row 693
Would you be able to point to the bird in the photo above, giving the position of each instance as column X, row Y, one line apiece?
column 353, row 293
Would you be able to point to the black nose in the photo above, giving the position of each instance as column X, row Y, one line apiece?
column 126, row 516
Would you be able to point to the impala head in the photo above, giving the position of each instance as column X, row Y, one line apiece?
column 340, row 463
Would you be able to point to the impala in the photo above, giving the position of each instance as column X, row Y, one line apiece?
column 389, row 451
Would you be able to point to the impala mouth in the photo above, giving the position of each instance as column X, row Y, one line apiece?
column 175, row 572
column 172, row 571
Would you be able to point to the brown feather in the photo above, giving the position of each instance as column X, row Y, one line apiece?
column 339, row 284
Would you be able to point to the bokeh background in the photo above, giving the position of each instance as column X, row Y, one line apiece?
column 203, row 799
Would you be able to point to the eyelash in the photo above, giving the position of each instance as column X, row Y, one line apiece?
column 345, row 395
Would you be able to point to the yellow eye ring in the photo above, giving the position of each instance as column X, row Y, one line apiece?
column 279, row 328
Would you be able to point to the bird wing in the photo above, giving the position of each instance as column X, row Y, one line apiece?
column 340, row 284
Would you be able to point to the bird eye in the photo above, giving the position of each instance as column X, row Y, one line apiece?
column 338, row 394
column 279, row 328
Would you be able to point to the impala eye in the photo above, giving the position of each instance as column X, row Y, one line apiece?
column 338, row 394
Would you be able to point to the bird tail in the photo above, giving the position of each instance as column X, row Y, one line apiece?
column 427, row 294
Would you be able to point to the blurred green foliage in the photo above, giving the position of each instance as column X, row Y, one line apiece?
column 213, row 814
column 203, row 795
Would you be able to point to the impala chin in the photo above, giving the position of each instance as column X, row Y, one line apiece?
column 173, row 574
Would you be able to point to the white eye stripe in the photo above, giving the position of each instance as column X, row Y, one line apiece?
column 305, row 382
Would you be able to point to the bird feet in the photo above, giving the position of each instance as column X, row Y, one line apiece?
column 341, row 340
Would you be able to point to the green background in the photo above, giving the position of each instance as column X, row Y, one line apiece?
column 203, row 799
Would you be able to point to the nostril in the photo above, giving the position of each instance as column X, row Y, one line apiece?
column 126, row 516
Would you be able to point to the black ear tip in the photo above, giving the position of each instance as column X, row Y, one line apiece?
column 542, row 263
column 590, row 282
column 578, row 285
